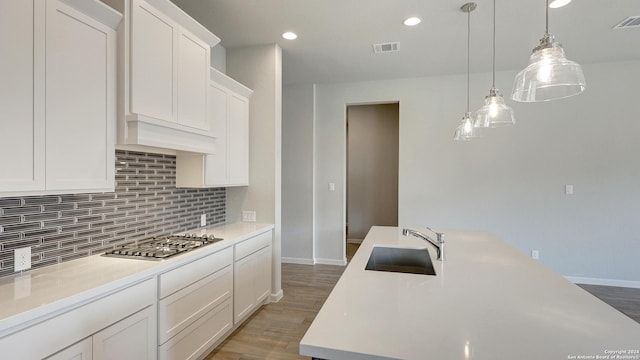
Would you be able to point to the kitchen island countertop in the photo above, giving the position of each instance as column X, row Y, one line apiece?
column 488, row 301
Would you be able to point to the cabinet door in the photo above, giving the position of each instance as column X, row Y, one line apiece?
column 243, row 290
column 153, row 65
column 193, row 80
column 238, row 158
column 22, row 141
column 132, row 338
column 80, row 100
column 263, row 274
column 216, row 164
column 184, row 307
column 81, row 350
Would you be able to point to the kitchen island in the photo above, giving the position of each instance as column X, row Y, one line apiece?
column 488, row 301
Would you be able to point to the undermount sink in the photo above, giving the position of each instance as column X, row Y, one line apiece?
column 403, row 260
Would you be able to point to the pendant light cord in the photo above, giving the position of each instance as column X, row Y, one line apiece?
column 547, row 18
column 468, row 55
column 493, row 83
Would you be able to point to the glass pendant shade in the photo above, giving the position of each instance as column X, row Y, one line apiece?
column 466, row 131
column 549, row 75
column 494, row 113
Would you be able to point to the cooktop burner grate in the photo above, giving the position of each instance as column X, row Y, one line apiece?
column 162, row 248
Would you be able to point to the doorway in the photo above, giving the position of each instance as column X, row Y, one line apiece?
column 372, row 169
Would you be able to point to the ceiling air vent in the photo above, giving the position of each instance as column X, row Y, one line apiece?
column 386, row 47
column 630, row 22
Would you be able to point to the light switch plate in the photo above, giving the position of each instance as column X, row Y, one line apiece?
column 568, row 189
column 203, row 220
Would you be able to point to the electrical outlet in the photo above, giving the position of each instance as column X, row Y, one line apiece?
column 535, row 254
column 249, row 216
column 22, row 259
column 203, row 220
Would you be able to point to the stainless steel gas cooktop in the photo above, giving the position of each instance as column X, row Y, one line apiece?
column 162, row 248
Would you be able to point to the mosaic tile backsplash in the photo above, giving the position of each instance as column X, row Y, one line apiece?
column 145, row 203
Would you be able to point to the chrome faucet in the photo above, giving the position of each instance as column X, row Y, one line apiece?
column 439, row 244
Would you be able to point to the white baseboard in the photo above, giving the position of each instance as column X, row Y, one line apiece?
column 290, row 260
column 355, row 241
column 277, row 296
column 301, row 261
column 342, row 262
column 604, row 282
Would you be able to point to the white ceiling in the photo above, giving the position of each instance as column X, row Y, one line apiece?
column 335, row 36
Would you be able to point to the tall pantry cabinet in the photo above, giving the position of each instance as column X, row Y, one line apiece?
column 58, row 106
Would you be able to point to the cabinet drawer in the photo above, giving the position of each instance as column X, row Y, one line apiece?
column 199, row 336
column 252, row 245
column 81, row 350
column 177, row 279
column 180, row 309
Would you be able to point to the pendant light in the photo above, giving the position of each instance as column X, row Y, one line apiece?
column 467, row 130
column 494, row 113
column 549, row 75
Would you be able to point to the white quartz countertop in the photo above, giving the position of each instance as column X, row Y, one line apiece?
column 40, row 293
column 488, row 301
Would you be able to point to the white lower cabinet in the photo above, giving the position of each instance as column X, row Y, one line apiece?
column 196, row 312
column 252, row 275
column 121, row 325
column 128, row 339
column 132, row 338
column 200, row 336
column 178, row 314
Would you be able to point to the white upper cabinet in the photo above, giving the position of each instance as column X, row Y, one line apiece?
column 80, row 100
column 216, row 164
column 153, row 36
column 22, row 144
column 238, row 139
column 165, row 71
column 229, row 116
column 193, row 79
column 58, row 107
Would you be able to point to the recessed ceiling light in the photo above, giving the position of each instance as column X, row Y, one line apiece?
column 558, row 3
column 412, row 21
column 290, row 35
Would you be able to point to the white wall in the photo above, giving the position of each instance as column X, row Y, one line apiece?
column 219, row 58
column 260, row 68
column 511, row 182
column 297, row 173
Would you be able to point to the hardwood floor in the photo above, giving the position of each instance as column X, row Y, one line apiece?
column 275, row 330
column 625, row 300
